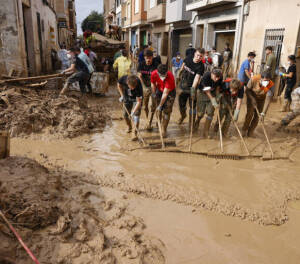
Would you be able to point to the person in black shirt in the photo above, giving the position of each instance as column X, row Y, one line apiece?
column 291, row 79
column 231, row 97
column 209, row 88
column 78, row 69
column 190, row 74
column 190, row 51
column 145, row 68
column 131, row 91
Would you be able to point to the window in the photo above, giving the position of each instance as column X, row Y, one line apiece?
column 273, row 38
column 171, row 1
column 152, row 3
column 136, row 6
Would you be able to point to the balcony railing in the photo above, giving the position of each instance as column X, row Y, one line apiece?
column 199, row 4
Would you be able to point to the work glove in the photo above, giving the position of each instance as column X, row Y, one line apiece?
column 132, row 114
column 153, row 95
column 282, row 74
column 121, row 99
column 262, row 116
column 159, row 109
column 193, row 93
column 219, row 96
column 236, row 115
column 214, row 103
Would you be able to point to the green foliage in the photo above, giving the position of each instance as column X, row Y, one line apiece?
column 94, row 22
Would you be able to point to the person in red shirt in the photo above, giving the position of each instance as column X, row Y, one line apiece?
column 164, row 92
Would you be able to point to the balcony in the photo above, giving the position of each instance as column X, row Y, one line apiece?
column 193, row 5
column 158, row 12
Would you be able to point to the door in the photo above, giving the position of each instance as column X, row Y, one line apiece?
column 184, row 41
column 40, row 39
column 222, row 38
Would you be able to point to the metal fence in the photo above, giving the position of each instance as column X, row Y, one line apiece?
column 273, row 38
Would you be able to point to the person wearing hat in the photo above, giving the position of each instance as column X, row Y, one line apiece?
column 176, row 64
column 190, row 51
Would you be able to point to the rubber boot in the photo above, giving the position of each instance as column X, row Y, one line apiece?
column 147, row 113
column 197, row 123
column 134, row 132
column 206, row 128
column 128, row 122
column 285, row 105
column 288, row 107
column 65, row 89
column 149, row 126
column 182, row 117
column 165, row 123
column 225, row 128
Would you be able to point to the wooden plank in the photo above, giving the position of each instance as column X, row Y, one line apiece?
column 42, row 77
column 4, row 145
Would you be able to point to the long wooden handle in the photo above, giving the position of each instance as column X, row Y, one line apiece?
column 160, row 131
column 220, row 130
column 134, row 126
column 238, row 130
column 192, row 126
column 265, row 132
column 43, row 77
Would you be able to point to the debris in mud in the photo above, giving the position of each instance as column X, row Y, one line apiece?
column 62, row 219
column 25, row 111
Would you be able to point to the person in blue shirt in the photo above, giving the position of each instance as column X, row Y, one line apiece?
column 246, row 69
column 176, row 64
column 141, row 55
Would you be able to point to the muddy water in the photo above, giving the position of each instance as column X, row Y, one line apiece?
column 255, row 190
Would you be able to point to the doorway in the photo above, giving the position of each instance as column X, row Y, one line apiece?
column 223, row 37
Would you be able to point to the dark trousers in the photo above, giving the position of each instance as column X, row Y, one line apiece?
column 89, row 86
column 183, row 98
column 81, row 77
column 251, row 120
column 288, row 92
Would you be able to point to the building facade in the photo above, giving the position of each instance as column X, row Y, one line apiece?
column 66, row 22
column 278, row 26
column 28, row 36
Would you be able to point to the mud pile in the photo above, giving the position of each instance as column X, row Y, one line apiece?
column 25, row 111
column 65, row 218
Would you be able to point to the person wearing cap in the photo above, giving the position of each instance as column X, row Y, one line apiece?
column 270, row 62
column 207, row 94
column 260, row 90
column 163, row 86
column 176, row 64
column 190, row 51
column 291, row 79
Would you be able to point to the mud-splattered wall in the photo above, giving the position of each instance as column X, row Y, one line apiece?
column 10, row 45
column 28, row 33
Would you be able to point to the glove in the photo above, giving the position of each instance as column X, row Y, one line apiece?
column 236, row 115
column 132, row 114
column 282, row 74
column 121, row 99
column 214, row 103
column 153, row 95
column 159, row 108
column 193, row 92
column 262, row 116
column 63, row 73
column 218, row 97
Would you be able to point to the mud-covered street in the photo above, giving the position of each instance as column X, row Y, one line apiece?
column 148, row 206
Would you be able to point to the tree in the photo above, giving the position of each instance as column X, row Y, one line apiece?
column 94, row 22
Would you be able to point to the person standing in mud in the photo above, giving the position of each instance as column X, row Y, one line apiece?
column 163, row 86
column 190, row 74
column 260, row 91
column 231, row 100
column 291, row 79
column 207, row 95
column 246, row 69
column 131, row 92
column 79, row 70
column 145, row 68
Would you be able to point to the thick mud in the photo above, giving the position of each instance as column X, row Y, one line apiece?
column 64, row 219
column 24, row 111
column 192, row 202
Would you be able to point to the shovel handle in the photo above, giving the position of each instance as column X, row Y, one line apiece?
column 220, row 130
column 238, row 130
column 265, row 132
column 160, row 131
column 192, row 126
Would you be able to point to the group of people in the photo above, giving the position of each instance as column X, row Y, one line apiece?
column 205, row 90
